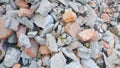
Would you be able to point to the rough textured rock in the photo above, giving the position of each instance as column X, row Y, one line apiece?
column 88, row 35
column 12, row 57
column 32, row 51
column 42, row 21
column 51, row 42
column 69, row 16
column 73, row 29
column 61, row 61
column 44, row 8
column 4, row 32
column 24, row 41
column 44, row 50
column 84, row 52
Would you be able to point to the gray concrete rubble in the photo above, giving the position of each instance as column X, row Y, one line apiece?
column 59, row 33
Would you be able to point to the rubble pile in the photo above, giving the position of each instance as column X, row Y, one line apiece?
column 59, row 33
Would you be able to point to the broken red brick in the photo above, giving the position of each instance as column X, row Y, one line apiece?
column 32, row 51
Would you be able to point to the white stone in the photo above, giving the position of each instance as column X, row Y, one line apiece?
column 58, row 61
column 24, row 40
column 12, row 57
column 68, row 40
column 51, row 42
column 74, row 64
column 70, row 54
column 46, row 30
column 91, row 17
column 12, row 39
column 44, row 8
column 32, row 34
column 28, row 23
column 59, row 29
column 89, row 63
column 41, row 21
column 41, row 41
column 84, row 52
column 33, row 64
column 39, row 63
column 74, row 45
column 12, row 23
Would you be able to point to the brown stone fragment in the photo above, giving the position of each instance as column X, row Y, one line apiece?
column 4, row 32
column 21, row 30
column 21, row 4
column 95, row 36
column 44, row 50
column 107, row 10
column 25, row 12
column 106, row 45
column 69, row 16
column 32, row 51
column 105, row 17
column 88, row 35
column 72, row 29
column 17, row 65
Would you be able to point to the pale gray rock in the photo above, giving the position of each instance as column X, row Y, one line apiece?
column 91, row 16
column 61, row 61
column 70, row 54
column 60, row 42
column 28, row 23
column 64, row 2
column 12, row 57
column 12, row 38
column 44, row 8
column 56, row 25
column 4, row 1
column 46, row 61
column 59, row 29
column 2, row 65
column 32, row 34
column 39, row 63
column 46, row 30
column 25, row 58
column 83, row 1
column 12, row 4
column 41, row 41
column 64, row 35
column 73, row 64
column 51, row 42
column 68, row 40
column 1, row 10
column 77, row 7
column 84, row 52
column 8, row 7
column 24, row 40
column 95, row 49
column 33, row 64
column 74, row 45
column 12, row 13
column 89, row 63
column 42, row 21
column 12, row 23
